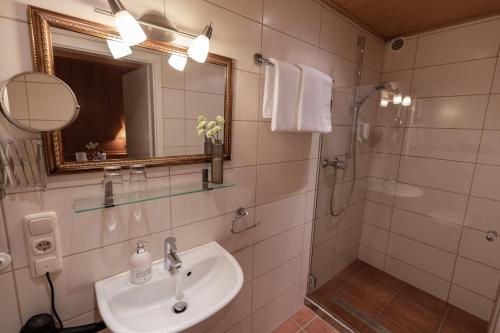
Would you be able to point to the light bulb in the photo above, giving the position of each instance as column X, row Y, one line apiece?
column 406, row 101
column 198, row 50
column 384, row 102
column 397, row 99
column 177, row 61
column 118, row 49
column 130, row 31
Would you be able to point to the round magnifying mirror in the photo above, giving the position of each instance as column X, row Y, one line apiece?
column 38, row 102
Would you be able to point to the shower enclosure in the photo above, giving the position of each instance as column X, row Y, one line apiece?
column 397, row 244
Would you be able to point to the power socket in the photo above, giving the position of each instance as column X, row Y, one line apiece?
column 41, row 232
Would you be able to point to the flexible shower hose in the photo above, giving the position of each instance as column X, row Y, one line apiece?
column 352, row 151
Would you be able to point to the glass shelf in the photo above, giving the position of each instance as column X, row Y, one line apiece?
column 96, row 203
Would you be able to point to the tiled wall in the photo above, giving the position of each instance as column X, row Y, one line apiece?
column 275, row 172
column 199, row 89
column 433, row 188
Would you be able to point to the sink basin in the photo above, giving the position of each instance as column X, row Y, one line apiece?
column 210, row 278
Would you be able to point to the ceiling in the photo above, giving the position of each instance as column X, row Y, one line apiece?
column 393, row 18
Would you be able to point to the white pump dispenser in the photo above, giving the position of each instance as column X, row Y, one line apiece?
column 140, row 264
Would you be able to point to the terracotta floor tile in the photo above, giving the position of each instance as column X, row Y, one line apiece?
column 412, row 316
column 466, row 320
column 319, row 326
column 424, row 299
column 303, row 316
column 382, row 278
column 288, row 326
column 369, row 291
column 449, row 327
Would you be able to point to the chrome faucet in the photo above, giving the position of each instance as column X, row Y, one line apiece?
column 172, row 261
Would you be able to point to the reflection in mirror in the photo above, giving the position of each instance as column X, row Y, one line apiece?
column 135, row 107
column 38, row 102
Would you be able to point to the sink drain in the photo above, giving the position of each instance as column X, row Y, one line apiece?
column 179, row 307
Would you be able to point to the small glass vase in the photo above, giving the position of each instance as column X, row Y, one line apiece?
column 217, row 162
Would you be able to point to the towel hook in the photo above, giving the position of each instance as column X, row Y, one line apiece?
column 241, row 212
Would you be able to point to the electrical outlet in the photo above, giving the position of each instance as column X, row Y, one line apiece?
column 41, row 232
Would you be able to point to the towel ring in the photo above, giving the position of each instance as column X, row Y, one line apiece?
column 241, row 212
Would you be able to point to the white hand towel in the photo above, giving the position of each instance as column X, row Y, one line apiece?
column 286, row 96
column 268, row 99
column 314, row 101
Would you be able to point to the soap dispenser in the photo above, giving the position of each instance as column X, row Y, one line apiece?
column 140, row 264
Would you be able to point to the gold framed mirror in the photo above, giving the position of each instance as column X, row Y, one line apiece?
column 50, row 31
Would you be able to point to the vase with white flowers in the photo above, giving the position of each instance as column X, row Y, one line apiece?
column 213, row 145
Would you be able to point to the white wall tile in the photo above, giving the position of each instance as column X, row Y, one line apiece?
column 384, row 165
column 446, row 175
column 465, row 78
column 449, row 144
column 250, row 9
column 495, row 89
column 278, row 216
column 438, row 233
column 464, row 43
column 477, row 305
column 476, row 277
column 277, row 250
column 278, row 45
column 448, row 112
column 474, row 245
column 275, row 181
column 9, row 314
column 372, row 257
column 482, row 214
column 420, row 279
column 303, row 18
column 438, row 204
column 427, row 258
column 387, row 140
column 340, row 69
column 377, row 214
column 489, row 152
column 493, row 114
column 270, row 285
column 245, row 96
column 375, row 238
column 486, row 182
column 337, row 35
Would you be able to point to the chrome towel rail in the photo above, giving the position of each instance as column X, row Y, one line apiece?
column 240, row 213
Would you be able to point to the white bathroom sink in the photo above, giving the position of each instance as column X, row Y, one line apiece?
column 210, row 278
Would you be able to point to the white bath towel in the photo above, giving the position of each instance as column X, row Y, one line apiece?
column 314, row 101
column 285, row 96
column 268, row 99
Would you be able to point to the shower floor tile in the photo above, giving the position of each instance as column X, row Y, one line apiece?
column 372, row 301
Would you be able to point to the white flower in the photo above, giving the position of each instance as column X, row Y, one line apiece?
column 217, row 129
column 201, row 132
column 201, row 118
column 211, row 124
column 201, row 124
column 210, row 133
column 219, row 120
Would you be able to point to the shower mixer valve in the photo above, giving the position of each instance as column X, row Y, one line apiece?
column 336, row 163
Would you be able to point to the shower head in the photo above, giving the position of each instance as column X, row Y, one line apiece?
column 382, row 86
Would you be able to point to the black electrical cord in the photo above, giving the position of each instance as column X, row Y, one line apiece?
column 52, row 301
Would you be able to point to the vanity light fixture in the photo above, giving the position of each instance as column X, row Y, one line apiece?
column 129, row 29
column 118, row 49
column 384, row 102
column 177, row 61
column 397, row 99
column 198, row 50
column 406, row 101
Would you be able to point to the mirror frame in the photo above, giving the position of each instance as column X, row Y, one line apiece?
column 40, row 22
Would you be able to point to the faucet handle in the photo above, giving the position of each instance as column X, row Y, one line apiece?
column 170, row 244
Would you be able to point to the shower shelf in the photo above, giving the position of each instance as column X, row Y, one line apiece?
column 97, row 203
